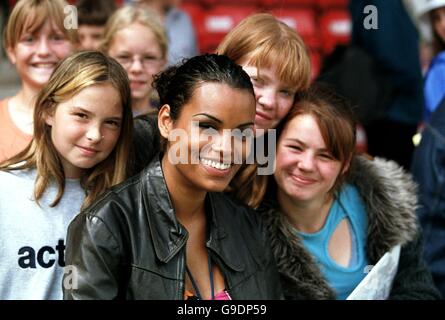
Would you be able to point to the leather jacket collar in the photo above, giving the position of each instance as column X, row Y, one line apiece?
column 169, row 236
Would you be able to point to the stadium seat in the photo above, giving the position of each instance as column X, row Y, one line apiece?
column 335, row 28
column 285, row 3
column 326, row 4
column 195, row 12
column 303, row 21
column 217, row 22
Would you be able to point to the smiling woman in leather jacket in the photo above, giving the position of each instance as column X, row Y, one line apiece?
column 169, row 232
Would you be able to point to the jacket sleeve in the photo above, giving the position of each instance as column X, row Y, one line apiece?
column 146, row 142
column 413, row 280
column 271, row 271
column 93, row 256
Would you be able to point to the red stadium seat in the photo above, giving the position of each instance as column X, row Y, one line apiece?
column 325, row 4
column 218, row 21
column 335, row 29
column 196, row 13
column 285, row 3
column 303, row 21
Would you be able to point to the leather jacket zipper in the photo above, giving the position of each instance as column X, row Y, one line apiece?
column 181, row 269
column 181, row 266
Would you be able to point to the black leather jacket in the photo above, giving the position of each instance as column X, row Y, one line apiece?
column 129, row 245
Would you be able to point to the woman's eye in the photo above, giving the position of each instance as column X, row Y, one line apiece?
column 27, row 38
column 296, row 148
column 287, row 93
column 58, row 37
column 149, row 58
column 81, row 115
column 204, row 125
column 114, row 123
column 123, row 59
column 326, row 156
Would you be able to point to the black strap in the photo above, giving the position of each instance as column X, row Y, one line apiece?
column 195, row 286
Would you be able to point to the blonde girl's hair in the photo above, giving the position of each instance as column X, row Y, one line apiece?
column 263, row 41
column 30, row 15
column 129, row 15
column 72, row 75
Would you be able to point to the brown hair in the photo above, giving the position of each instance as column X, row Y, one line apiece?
column 95, row 12
column 438, row 43
column 71, row 76
column 30, row 15
column 264, row 41
column 335, row 119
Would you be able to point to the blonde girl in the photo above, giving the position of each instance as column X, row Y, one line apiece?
column 35, row 41
column 135, row 38
column 82, row 130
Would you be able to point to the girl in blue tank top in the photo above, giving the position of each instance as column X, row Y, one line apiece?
column 332, row 215
column 346, row 207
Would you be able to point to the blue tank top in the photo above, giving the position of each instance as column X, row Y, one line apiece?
column 348, row 205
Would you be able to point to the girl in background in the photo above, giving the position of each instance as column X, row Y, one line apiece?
column 35, row 40
column 137, row 40
column 275, row 58
column 277, row 61
column 82, row 130
column 181, row 34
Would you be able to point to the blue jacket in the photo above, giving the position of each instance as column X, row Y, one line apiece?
column 428, row 168
column 434, row 87
column 395, row 45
